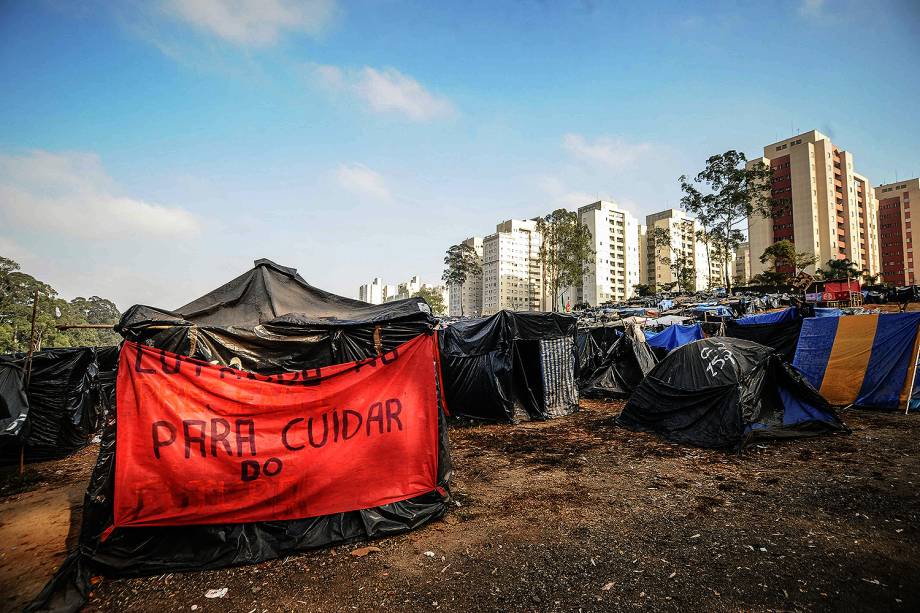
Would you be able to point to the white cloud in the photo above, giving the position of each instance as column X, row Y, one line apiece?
column 614, row 153
column 70, row 194
column 386, row 91
column 255, row 23
column 362, row 181
column 811, row 8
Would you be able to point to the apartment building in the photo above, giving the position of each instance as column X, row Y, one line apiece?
column 467, row 300
column 682, row 229
column 743, row 263
column 404, row 290
column 895, row 233
column 617, row 254
column 827, row 207
column 511, row 272
column 371, row 292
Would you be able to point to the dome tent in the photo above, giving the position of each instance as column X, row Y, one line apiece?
column 722, row 393
column 621, row 369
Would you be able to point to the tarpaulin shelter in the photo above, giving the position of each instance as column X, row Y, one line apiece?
column 781, row 332
column 235, row 355
column 621, row 368
column 13, row 401
column 715, row 310
column 722, row 392
column 64, row 404
column 772, row 317
column 674, row 336
column 511, row 366
column 861, row 360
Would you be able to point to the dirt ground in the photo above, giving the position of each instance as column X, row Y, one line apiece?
column 568, row 515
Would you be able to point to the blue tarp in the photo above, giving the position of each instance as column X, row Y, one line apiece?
column 674, row 336
column 770, row 318
column 721, row 311
column 827, row 312
column 664, row 305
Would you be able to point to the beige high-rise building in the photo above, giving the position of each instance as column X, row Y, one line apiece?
column 895, row 233
column 615, row 237
column 830, row 210
column 511, row 272
column 743, row 263
column 682, row 229
column 467, row 300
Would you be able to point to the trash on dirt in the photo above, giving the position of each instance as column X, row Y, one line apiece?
column 363, row 551
column 216, row 593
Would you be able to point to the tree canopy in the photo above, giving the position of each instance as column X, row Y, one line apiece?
column 565, row 252
column 434, row 299
column 723, row 196
column 461, row 263
column 839, row 269
column 17, row 291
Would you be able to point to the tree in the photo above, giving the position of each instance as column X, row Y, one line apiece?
column 723, row 196
column 839, row 269
column 565, row 251
column 771, row 278
column 461, row 263
column 433, row 297
column 681, row 265
column 782, row 254
column 870, row 279
column 17, row 294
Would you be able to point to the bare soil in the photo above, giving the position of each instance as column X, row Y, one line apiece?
column 567, row 515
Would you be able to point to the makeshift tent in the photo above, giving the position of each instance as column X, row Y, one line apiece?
column 511, row 366
column 782, row 334
column 674, row 336
column 288, row 336
column 723, row 392
column 13, row 402
column 64, row 405
column 713, row 310
column 827, row 312
column 773, row 317
column 862, row 360
column 667, row 320
column 621, row 369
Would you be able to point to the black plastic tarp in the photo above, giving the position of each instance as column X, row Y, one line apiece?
column 247, row 319
column 13, row 402
column 510, row 366
column 782, row 336
column 326, row 330
column 723, row 392
column 64, row 405
column 620, row 370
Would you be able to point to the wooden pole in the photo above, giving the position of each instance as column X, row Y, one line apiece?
column 28, row 375
column 86, row 326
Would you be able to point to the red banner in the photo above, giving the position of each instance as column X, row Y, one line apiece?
column 204, row 444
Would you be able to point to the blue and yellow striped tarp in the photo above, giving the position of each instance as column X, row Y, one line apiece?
column 863, row 360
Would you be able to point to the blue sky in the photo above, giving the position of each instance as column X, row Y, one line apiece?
column 151, row 150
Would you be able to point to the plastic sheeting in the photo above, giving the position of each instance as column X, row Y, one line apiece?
column 723, row 392
column 781, row 335
column 65, row 402
column 863, row 360
column 774, row 317
column 245, row 319
column 495, row 368
column 621, row 369
column 674, row 336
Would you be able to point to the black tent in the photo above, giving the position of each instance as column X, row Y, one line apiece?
column 511, row 366
column 272, row 321
column 13, row 402
column 783, row 336
column 620, row 370
column 723, row 392
column 63, row 408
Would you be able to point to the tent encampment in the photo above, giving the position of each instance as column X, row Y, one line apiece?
column 722, row 392
column 861, row 360
column 511, row 366
column 351, row 444
column 621, row 368
column 64, row 404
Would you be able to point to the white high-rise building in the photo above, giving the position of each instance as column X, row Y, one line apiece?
column 372, row 292
column 616, row 269
column 404, row 290
column 511, row 273
column 467, row 300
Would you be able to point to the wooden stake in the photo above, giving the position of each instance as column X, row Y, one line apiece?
column 28, row 375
